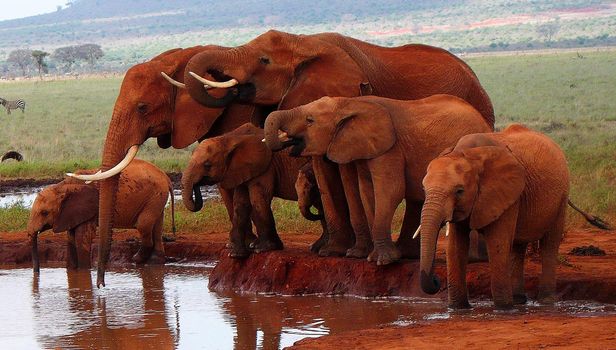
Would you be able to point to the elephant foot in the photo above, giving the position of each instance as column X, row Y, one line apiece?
column 250, row 238
column 142, row 255
column 460, row 305
column 409, row 248
column 359, row 251
column 337, row 245
column 318, row 244
column 263, row 245
column 332, row 250
column 546, row 298
column 384, row 253
column 503, row 305
column 157, row 258
column 238, row 251
column 519, row 299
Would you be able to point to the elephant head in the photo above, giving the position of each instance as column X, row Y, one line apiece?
column 228, row 160
column 151, row 103
column 61, row 207
column 467, row 184
column 276, row 68
column 343, row 129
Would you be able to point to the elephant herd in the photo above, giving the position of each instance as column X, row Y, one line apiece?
column 365, row 127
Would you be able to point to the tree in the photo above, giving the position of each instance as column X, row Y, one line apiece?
column 90, row 53
column 21, row 58
column 548, row 30
column 67, row 55
column 39, row 59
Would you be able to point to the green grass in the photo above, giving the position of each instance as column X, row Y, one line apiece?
column 569, row 98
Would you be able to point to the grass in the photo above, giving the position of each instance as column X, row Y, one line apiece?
column 569, row 98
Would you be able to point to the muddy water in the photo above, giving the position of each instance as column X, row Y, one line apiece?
column 25, row 196
column 170, row 307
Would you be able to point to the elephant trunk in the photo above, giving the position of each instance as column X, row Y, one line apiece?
column 304, row 209
column 190, row 187
column 116, row 146
column 36, row 266
column 213, row 61
column 431, row 218
column 274, row 122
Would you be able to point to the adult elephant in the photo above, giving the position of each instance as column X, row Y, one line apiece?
column 149, row 106
column 288, row 70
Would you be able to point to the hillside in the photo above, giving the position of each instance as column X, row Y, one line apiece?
column 133, row 30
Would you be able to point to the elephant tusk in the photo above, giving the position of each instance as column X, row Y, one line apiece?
column 283, row 136
column 173, row 81
column 215, row 84
column 130, row 155
column 447, row 229
column 417, row 232
column 263, row 140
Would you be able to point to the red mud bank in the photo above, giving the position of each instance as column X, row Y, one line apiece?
column 295, row 271
column 526, row 332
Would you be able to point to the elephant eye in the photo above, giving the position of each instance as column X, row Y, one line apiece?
column 309, row 120
column 264, row 60
column 142, row 108
column 44, row 212
column 207, row 165
column 459, row 191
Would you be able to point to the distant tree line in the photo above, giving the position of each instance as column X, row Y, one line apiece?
column 65, row 58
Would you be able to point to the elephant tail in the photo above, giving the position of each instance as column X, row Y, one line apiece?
column 172, row 210
column 593, row 220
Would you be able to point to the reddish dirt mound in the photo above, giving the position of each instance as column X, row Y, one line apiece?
column 527, row 332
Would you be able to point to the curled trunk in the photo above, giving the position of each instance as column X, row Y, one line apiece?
column 274, row 122
column 36, row 267
column 304, row 208
column 189, row 187
column 431, row 219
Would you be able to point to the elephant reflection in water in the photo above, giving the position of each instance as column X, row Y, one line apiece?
column 97, row 329
column 327, row 315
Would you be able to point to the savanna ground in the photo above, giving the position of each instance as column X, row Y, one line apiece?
column 569, row 96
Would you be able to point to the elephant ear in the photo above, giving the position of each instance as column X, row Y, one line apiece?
column 247, row 158
column 330, row 72
column 502, row 180
column 364, row 131
column 79, row 205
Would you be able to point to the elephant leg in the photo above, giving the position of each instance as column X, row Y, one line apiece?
column 145, row 225
column 36, row 264
column 477, row 249
column 227, row 199
column 83, row 243
column 158, row 253
column 409, row 247
column 71, row 251
column 241, row 223
column 499, row 239
column 363, row 242
column 549, row 258
column 517, row 272
column 340, row 234
column 263, row 218
column 457, row 258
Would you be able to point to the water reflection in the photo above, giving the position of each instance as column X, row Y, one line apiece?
column 171, row 308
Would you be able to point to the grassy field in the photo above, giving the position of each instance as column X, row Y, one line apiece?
column 571, row 98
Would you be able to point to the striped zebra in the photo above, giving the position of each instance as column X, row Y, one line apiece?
column 21, row 104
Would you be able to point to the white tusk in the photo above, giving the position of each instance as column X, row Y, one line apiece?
column 447, row 229
column 215, row 84
column 173, row 81
column 417, row 232
column 132, row 152
column 263, row 140
column 283, row 136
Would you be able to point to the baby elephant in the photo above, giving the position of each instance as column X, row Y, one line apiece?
column 510, row 186
column 71, row 205
column 241, row 162
column 308, row 195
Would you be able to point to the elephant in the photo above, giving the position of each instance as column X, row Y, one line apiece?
column 154, row 103
column 308, row 195
column 285, row 71
column 512, row 187
column 72, row 206
column 390, row 142
column 241, row 162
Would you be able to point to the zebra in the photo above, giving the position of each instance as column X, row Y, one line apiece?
column 21, row 104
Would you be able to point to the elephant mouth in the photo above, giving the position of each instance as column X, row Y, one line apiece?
column 245, row 92
column 206, row 181
column 297, row 145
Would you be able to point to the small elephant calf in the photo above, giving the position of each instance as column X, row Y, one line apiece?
column 510, row 186
column 72, row 206
column 241, row 162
